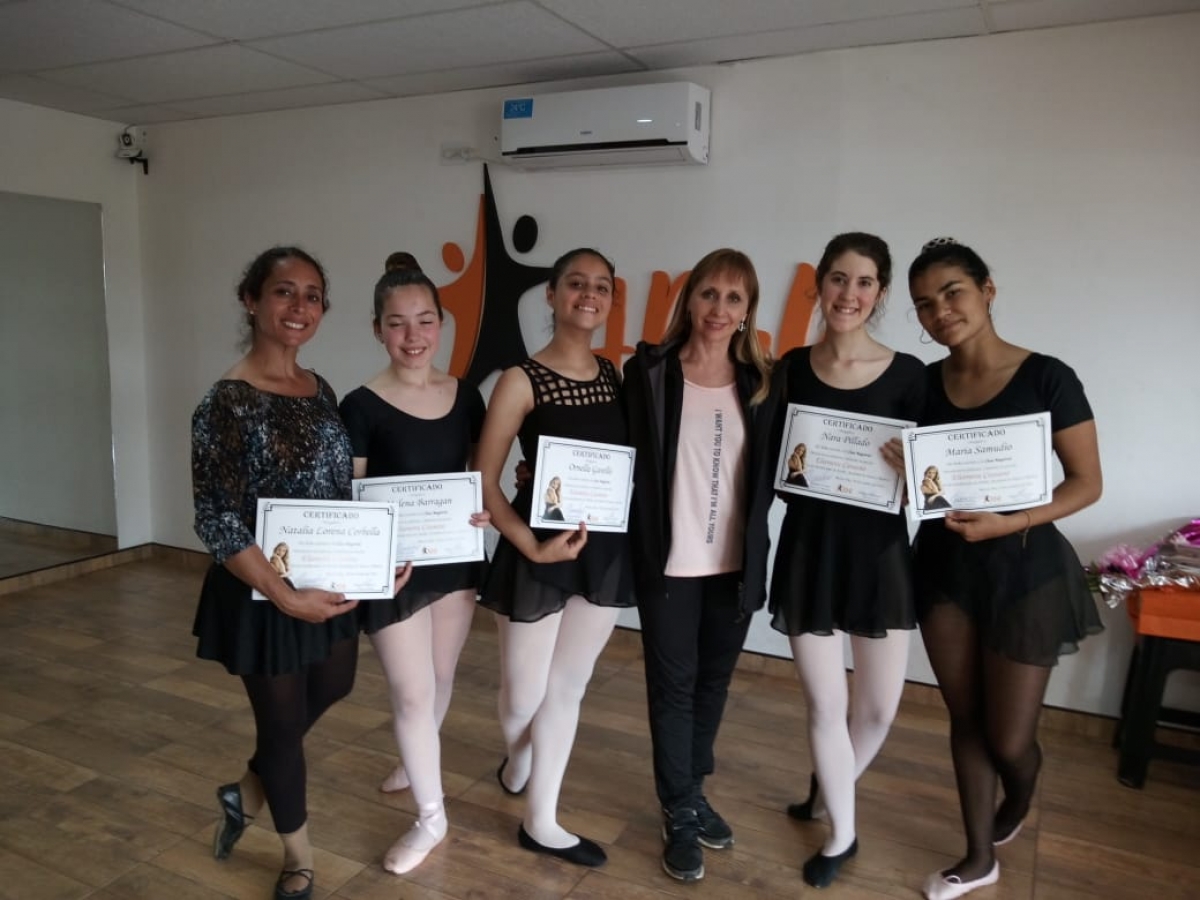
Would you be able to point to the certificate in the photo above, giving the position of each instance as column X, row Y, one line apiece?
column 330, row 544
column 990, row 464
column 582, row 481
column 433, row 514
column 834, row 455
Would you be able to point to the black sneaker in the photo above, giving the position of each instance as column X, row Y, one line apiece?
column 715, row 832
column 682, row 858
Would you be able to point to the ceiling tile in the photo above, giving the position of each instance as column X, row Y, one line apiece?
column 894, row 29
column 491, row 34
column 141, row 114
column 48, row 34
column 583, row 65
column 290, row 98
column 239, row 20
column 633, row 23
column 28, row 89
column 1013, row 15
column 209, row 72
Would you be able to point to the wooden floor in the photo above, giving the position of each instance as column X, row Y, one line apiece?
column 113, row 737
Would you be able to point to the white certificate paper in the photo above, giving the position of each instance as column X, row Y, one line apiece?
column 834, row 455
column 329, row 544
column 433, row 515
column 582, row 481
column 989, row 464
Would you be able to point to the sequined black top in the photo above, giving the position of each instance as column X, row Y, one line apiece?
column 248, row 443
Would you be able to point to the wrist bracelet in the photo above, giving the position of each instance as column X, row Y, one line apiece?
column 1028, row 525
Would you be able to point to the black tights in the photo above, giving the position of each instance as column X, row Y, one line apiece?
column 285, row 707
column 994, row 705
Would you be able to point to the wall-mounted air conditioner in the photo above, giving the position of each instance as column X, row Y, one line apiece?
column 637, row 125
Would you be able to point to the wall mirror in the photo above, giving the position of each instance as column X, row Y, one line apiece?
column 57, row 493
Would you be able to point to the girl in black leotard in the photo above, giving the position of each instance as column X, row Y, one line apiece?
column 999, row 596
column 555, row 593
column 845, row 570
column 413, row 419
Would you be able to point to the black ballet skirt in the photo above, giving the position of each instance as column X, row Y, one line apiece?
column 525, row 591
column 1029, row 600
column 396, row 443
column 1027, row 595
column 252, row 637
column 840, row 567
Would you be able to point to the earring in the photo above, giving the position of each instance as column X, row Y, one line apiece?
column 742, row 325
column 925, row 337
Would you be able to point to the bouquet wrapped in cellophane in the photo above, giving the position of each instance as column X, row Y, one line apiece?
column 1172, row 562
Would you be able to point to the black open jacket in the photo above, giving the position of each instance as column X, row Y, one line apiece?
column 653, row 397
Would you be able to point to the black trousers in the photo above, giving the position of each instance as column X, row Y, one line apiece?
column 692, row 634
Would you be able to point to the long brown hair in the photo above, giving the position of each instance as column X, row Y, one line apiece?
column 744, row 346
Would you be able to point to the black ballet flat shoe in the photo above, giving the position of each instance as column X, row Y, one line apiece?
column 585, row 853
column 504, row 787
column 821, row 870
column 803, row 812
column 233, row 821
column 305, row 893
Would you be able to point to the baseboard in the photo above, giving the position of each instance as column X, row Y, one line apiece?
column 51, row 574
column 188, row 559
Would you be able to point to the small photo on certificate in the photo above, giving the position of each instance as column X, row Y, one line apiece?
column 834, row 455
column 433, row 515
column 331, row 545
column 990, row 464
column 582, row 481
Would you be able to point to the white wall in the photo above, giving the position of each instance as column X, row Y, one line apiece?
column 56, row 154
column 1068, row 157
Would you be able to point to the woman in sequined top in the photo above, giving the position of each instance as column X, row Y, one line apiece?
column 269, row 428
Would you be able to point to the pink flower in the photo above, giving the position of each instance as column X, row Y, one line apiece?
column 1122, row 559
column 1188, row 535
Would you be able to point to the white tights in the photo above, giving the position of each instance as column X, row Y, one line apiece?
column 419, row 656
column 842, row 747
column 544, row 670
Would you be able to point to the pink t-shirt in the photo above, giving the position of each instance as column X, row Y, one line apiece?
column 708, row 489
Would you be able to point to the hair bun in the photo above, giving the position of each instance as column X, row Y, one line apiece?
column 939, row 242
column 401, row 259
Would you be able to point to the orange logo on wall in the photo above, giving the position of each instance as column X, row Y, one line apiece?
column 484, row 299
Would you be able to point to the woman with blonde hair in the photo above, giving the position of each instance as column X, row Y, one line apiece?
column 931, row 490
column 700, row 408
column 795, row 466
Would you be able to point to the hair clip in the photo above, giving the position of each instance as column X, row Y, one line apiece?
column 939, row 242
